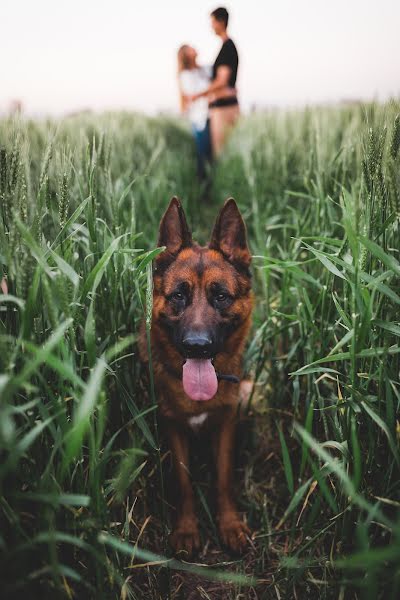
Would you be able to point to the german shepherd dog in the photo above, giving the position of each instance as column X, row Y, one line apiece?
column 202, row 304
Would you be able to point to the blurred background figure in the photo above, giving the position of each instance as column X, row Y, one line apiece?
column 221, row 93
column 194, row 79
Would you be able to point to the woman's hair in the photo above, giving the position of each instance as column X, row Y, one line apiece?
column 184, row 62
column 183, row 59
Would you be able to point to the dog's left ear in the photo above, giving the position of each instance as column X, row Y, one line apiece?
column 229, row 235
column 174, row 232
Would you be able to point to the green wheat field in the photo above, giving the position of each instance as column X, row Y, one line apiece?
column 85, row 474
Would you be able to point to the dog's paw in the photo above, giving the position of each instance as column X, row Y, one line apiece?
column 234, row 532
column 185, row 538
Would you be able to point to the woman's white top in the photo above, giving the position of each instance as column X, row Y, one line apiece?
column 194, row 81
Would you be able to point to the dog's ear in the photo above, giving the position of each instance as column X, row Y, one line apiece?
column 229, row 235
column 174, row 232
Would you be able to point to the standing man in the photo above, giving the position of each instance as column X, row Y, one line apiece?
column 221, row 93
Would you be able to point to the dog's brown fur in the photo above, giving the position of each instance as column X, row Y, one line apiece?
column 226, row 259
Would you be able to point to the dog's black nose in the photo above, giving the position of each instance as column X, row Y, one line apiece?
column 198, row 345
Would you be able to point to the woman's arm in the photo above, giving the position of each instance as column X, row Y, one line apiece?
column 183, row 102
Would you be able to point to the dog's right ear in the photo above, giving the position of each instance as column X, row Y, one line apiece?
column 174, row 232
column 229, row 235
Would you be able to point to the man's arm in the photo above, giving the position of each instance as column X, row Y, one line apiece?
column 221, row 81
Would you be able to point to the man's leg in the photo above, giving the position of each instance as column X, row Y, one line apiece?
column 222, row 120
column 217, row 131
column 233, row 113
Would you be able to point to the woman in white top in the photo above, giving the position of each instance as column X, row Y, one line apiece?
column 194, row 79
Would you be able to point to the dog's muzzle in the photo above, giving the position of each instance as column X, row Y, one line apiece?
column 198, row 345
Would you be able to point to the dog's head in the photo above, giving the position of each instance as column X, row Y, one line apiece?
column 203, row 294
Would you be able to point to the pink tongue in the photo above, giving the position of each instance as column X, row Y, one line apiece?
column 199, row 379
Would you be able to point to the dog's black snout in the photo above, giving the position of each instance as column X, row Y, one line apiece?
column 198, row 345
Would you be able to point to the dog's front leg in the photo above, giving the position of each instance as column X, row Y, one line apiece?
column 233, row 530
column 185, row 536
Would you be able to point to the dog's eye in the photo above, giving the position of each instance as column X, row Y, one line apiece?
column 222, row 300
column 178, row 296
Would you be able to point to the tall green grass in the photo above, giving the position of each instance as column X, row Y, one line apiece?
column 80, row 206
column 82, row 500
column 320, row 190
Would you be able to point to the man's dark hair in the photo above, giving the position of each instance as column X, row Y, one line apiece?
column 221, row 14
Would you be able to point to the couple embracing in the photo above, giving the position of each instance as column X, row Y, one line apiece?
column 208, row 95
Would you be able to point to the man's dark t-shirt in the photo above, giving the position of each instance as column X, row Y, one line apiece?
column 227, row 56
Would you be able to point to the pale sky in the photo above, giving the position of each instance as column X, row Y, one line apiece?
column 59, row 56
